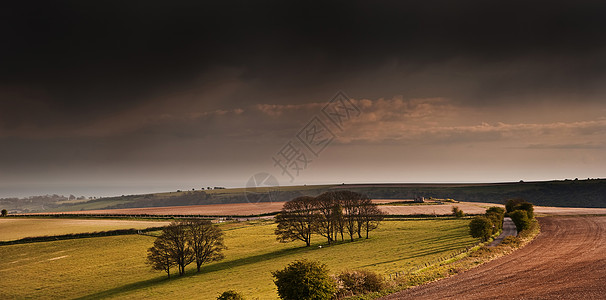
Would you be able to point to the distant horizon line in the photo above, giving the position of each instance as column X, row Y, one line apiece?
column 318, row 184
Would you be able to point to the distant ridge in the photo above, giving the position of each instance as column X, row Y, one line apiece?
column 563, row 193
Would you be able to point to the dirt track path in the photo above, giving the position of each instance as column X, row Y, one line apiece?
column 509, row 228
column 566, row 261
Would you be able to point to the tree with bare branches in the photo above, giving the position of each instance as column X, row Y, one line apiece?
column 325, row 204
column 205, row 241
column 296, row 220
column 159, row 256
column 370, row 216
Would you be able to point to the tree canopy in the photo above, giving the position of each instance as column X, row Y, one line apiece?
column 331, row 214
column 183, row 242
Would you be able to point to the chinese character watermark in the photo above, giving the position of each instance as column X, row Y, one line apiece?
column 296, row 155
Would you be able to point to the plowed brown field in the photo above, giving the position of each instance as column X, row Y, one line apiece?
column 566, row 261
column 246, row 209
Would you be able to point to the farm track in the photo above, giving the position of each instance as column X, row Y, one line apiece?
column 566, row 261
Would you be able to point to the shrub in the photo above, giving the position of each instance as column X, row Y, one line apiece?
column 520, row 204
column 358, row 282
column 480, row 227
column 512, row 204
column 481, row 252
column 495, row 210
column 230, row 295
column 4, row 212
column 304, row 279
column 529, row 208
column 457, row 212
column 520, row 219
column 511, row 241
column 496, row 214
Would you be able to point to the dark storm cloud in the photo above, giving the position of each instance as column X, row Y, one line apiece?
column 70, row 62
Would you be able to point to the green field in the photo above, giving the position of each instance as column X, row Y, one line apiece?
column 115, row 266
column 18, row 228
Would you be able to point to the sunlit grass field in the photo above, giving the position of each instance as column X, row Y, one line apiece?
column 115, row 266
column 17, row 228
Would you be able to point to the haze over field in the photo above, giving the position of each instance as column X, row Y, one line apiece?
column 110, row 98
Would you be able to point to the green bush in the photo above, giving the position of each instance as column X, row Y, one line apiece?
column 529, row 208
column 230, row 295
column 480, row 227
column 520, row 219
column 495, row 210
column 520, row 204
column 496, row 214
column 303, row 280
column 512, row 204
column 511, row 241
column 457, row 212
column 358, row 282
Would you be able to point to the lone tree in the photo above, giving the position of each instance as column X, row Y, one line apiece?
column 296, row 220
column 521, row 213
column 370, row 216
column 304, row 279
column 457, row 212
column 480, row 227
column 520, row 219
column 514, row 204
column 4, row 212
column 205, row 240
column 176, row 236
column 160, row 257
column 496, row 214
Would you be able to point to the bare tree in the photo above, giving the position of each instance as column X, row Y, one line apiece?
column 296, row 220
column 330, row 214
column 159, row 256
column 205, row 240
column 370, row 216
column 176, row 236
column 325, row 204
column 338, row 220
column 351, row 205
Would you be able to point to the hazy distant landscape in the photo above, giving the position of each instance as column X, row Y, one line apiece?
column 565, row 193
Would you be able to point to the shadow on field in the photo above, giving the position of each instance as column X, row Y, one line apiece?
column 126, row 288
column 433, row 251
column 215, row 267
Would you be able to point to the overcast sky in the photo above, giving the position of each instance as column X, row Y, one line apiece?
column 119, row 97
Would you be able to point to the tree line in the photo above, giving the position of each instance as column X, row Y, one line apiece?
column 184, row 242
column 519, row 210
column 331, row 214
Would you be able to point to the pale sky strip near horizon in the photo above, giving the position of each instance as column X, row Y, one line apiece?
column 103, row 98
